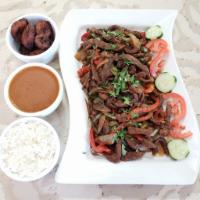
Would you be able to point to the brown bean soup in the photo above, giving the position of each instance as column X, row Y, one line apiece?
column 33, row 89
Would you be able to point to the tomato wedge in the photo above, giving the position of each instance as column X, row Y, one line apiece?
column 180, row 135
column 85, row 36
column 159, row 48
column 83, row 70
column 157, row 63
column 178, row 105
column 97, row 148
column 157, row 45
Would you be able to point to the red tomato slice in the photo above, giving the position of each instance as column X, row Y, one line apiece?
column 180, row 135
column 157, row 63
column 159, row 48
column 178, row 105
column 157, row 45
column 178, row 132
column 85, row 36
column 161, row 65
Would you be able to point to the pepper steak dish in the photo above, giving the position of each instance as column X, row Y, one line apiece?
column 130, row 104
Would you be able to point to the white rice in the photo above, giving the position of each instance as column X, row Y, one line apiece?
column 27, row 149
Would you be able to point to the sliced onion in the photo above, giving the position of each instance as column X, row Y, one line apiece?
column 105, row 139
column 135, row 41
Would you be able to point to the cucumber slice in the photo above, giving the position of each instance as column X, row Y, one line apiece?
column 165, row 82
column 178, row 149
column 154, row 32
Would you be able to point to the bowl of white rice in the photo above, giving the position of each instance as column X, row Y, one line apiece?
column 29, row 149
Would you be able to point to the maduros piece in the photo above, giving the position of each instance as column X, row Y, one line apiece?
column 33, row 39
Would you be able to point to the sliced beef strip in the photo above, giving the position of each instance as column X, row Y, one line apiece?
column 119, row 47
column 110, row 102
column 103, row 96
column 135, row 61
column 148, row 143
column 144, row 131
column 120, row 104
column 106, row 71
column 126, row 31
column 105, row 129
column 93, row 90
column 95, row 75
column 132, row 70
column 136, row 99
column 122, row 117
column 144, row 77
column 95, row 31
column 101, row 44
column 161, row 141
column 101, row 107
column 102, row 62
column 85, row 80
column 159, row 117
column 116, row 156
column 131, row 50
column 120, row 64
column 133, row 144
column 139, row 55
column 101, row 123
column 136, row 90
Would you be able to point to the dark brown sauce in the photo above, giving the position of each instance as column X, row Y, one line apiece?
column 33, row 89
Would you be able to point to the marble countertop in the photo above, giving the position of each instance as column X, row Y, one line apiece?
column 186, row 40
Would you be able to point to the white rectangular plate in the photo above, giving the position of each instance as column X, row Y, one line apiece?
column 78, row 166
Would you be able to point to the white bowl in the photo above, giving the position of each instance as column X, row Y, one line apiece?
column 54, row 160
column 46, row 111
column 45, row 57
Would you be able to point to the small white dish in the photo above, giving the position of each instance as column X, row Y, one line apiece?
column 46, row 170
column 97, row 170
column 46, row 111
column 45, row 57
